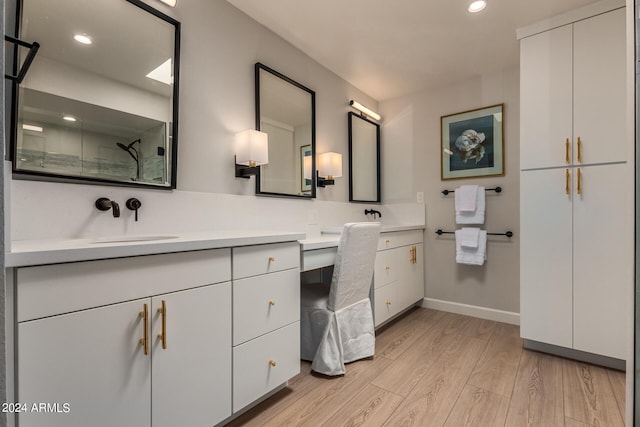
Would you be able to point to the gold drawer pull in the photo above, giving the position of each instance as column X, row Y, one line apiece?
column 163, row 336
column 272, row 302
column 567, row 189
column 388, row 302
column 387, row 268
column 566, row 149
column 272, row 362
column 271, row 259
column 387, row 242
column 579, row 189
column 579, row 151
column 145, row 324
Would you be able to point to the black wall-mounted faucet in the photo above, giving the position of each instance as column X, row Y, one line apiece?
column 373, row 212
column 104, row 204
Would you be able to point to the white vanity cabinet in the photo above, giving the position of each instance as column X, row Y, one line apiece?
column 78, row 344
column 266, row 319
column 398, row 273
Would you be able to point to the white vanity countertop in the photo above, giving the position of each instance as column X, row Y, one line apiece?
column 54, row 251
column 331, row 236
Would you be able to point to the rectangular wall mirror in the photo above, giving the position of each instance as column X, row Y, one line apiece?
column 285, row 110
column 364, row 160
column 99, row 102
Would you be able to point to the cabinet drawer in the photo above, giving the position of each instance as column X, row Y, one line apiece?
column 399, row 238
column 386, row 268
column 61, row 288
column 264, row 303
column 261, row 259
column 388, row 302
column 254, row 375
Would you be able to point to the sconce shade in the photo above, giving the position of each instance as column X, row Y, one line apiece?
column 364, row 110
column 252, row 148
column 330, row 165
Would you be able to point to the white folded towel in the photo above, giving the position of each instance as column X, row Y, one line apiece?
column 471, row 256
column 469, row 237
column 465, row 198
column 475, row 217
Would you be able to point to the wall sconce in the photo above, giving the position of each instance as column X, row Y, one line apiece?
column 329, row 166
column 364, row 110
column 252, row 150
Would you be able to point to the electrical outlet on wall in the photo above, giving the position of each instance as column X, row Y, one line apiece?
column 420, row 197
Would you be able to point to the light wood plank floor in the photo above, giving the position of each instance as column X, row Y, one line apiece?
column 433, row 368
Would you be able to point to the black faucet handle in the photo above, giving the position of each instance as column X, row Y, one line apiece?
column 134, row 204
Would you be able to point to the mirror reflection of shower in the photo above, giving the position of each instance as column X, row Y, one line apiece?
column 133, row 153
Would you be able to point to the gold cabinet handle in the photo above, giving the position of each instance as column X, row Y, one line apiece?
column 567, row 188
column 272, row 302
column 145, row 324
column 579, row 188
column 387, row 242
column 163, row 336
column 567, row 159
column 272, row 362
column 388, row 302
column 579, row 151
column 387, row 268
column 272, row 259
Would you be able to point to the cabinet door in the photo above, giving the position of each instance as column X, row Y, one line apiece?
column 91, row 360
column 545, row 257
column 545, row 98
column 602, row 242
column 415, row 289
column 192, row 376
column 600, row 88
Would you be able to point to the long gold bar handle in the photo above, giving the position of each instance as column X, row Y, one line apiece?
column 579, row 189
column 566, row 150
column 163, row 336
column 567, row 188
column 579, row 150
column 415, row 255
column 145, row 324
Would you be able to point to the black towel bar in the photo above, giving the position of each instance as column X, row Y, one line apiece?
column 33, row 49
column 497, row 190
column 508, row 233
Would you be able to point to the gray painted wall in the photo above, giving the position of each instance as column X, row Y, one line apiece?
column 411, row 164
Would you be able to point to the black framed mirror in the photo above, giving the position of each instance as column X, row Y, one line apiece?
column 285, row 110
column 364, row 160
column 100, row 101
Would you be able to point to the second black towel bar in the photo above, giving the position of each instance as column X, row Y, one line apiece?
column 497, row 190
column 508, row 233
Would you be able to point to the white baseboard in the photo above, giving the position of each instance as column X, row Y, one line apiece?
column 473, row 310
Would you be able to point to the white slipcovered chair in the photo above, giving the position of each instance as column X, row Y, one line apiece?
column 336, row 320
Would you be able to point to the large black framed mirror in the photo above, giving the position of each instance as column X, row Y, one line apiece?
column 285, row 110
column 364, row 160
column 100, row 101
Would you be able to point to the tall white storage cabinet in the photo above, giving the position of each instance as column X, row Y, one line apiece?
column 576, row 219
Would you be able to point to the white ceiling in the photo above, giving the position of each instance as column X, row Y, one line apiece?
column 391, row 48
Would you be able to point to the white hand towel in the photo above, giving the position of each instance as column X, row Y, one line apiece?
column 476, row 217
column 471, row 256
column 466, row 197
column 469, row 237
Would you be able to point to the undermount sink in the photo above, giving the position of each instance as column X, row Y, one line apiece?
column 129, row 239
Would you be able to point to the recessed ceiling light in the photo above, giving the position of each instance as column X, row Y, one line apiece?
column 82, row 38
column 69, row 118
column 477, row 6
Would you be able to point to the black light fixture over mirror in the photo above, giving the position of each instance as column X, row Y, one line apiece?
column 97, row 97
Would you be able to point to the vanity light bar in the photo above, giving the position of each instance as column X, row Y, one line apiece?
column 364, row 110
column 32, row 128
